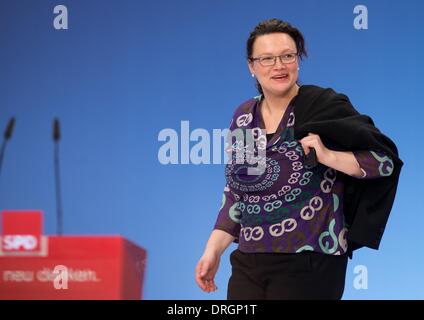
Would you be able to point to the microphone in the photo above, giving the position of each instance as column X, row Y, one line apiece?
column 7, row 135
column 59, row 211
column 56, row 130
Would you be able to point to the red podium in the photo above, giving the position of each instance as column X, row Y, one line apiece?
column 33, row 266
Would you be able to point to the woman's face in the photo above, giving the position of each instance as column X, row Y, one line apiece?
column 279, row 78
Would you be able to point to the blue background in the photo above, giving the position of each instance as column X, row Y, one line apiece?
column 125, row 70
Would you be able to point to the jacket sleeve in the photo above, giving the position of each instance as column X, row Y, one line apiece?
column 367, row 202
column 374, row 164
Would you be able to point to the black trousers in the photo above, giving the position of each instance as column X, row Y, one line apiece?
column 304, row 275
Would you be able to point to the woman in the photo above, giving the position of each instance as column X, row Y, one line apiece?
column 297, row 223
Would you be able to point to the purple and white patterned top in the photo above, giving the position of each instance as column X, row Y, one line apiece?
column 289, row 208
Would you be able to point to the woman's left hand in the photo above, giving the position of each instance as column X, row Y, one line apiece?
column 324, row 155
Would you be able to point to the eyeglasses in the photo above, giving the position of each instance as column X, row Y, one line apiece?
column 267, row 61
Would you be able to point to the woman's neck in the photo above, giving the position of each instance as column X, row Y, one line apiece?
column 277, row 104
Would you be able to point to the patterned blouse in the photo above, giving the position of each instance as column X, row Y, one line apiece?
column 290, row 207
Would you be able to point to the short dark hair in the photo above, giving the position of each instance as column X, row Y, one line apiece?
column 275, row 26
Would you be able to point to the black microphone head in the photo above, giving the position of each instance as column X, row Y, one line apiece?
column 9, row 129
column 56, row 130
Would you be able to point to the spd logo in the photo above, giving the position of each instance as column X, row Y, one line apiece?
column 19, row 242
column 21, row 234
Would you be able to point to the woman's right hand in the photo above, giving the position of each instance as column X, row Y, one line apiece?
column 208, row 264
column 205, row 271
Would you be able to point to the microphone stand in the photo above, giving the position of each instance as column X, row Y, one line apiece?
column 59, row 211
column 6, row 137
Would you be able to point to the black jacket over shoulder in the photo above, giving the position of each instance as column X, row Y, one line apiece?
column 367, row 202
